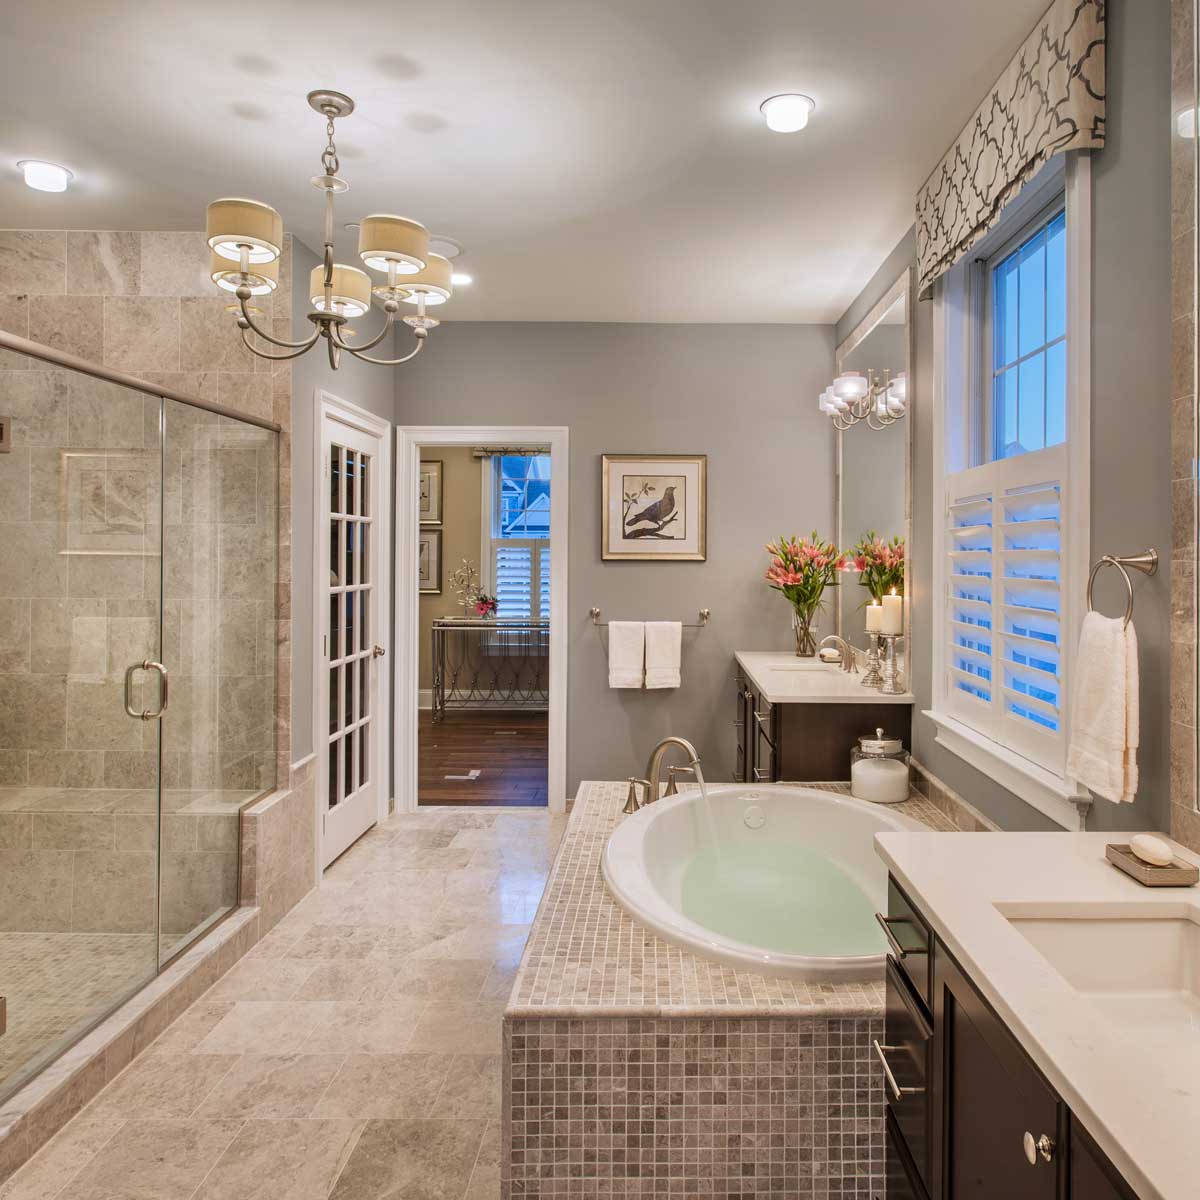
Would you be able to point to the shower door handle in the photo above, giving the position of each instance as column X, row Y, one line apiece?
column 164, row 693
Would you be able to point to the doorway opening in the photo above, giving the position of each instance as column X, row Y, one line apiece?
column 481, row 676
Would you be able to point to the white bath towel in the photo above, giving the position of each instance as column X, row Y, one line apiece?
column 626, row 654
column 663, row 640
column 1104, row 714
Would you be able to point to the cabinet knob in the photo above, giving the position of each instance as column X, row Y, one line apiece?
column 1035, row 1148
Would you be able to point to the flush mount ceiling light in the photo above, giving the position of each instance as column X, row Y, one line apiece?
column 462, row 279
column 246, row 239
column 787, row 113
column 852, row 398
column 45, row 176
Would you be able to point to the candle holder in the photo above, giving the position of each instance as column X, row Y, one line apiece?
column 891, row 685
column 873, row 678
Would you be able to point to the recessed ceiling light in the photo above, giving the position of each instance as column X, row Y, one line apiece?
column 45, row 176
column 788, row 113
column 447, row 247
column 461, row 279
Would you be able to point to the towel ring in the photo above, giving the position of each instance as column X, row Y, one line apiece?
column 1147, row 563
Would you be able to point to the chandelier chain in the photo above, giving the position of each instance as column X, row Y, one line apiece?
column 329, row 156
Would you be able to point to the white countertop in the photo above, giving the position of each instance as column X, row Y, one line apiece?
column 1139, row 1097
column 783, row 678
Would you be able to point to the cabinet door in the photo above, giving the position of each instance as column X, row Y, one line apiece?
column 1092, row 1176
column 994, row 1105
column 744, row 754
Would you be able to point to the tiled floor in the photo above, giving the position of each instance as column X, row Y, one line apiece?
column 354, row 1054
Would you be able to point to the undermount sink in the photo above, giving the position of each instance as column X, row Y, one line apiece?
column 1142, row 970
column 805, row 664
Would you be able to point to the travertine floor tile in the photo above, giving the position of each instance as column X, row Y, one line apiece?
column 472, row 1087
column 262, row 979
column 440, row 978
column 370, row 1027
column 387, row 1086
column 485, row 1178
column 401, row 1159
column 272, row 1085
column 45, row 1175
column 264, row 1027
column 473, row 1028
column 163, row 1085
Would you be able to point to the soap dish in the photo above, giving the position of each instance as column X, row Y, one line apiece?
column 1177, row 874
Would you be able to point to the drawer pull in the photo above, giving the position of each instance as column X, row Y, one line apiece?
column 1042, row 1148
column 759, row 774
column 897, row 1091
column 885, row 923
column 761, row 718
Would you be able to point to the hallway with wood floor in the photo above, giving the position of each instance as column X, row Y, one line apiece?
column 508, row 749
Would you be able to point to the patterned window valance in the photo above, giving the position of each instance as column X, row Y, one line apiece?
column 1050, row 98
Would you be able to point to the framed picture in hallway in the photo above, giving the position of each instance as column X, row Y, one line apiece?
column 431, row 492
column 429, row 561
column 655, row 507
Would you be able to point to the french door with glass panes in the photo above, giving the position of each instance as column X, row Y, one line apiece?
column 350, row 625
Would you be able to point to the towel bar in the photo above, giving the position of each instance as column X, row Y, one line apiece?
column 1146, row 562
column 705, row 613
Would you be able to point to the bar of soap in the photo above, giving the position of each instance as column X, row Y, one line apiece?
column 1151, row 849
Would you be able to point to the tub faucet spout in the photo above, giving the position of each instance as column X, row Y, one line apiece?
column 654, row 766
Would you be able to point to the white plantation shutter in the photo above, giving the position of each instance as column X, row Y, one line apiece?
column 1006, row 543
column 544, row 582
column 513, row 573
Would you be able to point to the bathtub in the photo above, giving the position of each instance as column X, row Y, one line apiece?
column 778, row 879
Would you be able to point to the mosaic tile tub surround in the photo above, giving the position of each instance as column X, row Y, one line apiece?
column 636, row 1068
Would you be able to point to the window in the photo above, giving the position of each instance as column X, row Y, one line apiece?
column 1026, row 296
column 1012, row 505
column 517, row 534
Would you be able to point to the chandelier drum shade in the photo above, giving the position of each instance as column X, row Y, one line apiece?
column 853, row 398
column 246, row 239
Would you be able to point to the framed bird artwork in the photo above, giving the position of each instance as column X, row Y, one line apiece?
column 654, row 507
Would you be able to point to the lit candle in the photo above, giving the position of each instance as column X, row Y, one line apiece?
column 893, row 614
column 874, row 617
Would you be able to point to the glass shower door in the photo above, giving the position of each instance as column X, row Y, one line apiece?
column 80, row 501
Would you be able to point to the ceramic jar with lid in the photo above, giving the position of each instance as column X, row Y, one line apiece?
column 879, row 769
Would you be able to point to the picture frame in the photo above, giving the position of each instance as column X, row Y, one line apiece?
column 430, row 491
column 429, row 562
column 654, row 507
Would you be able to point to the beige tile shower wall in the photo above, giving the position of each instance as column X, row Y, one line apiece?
column 1185, row 821
column 85, row 462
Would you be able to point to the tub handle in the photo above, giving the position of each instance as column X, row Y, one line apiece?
column 897, row 1091
column 885, row 923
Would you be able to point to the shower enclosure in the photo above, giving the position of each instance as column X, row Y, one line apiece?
column 138, row 536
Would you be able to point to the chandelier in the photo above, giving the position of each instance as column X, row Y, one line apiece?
column 852, row 398
column 246, row 238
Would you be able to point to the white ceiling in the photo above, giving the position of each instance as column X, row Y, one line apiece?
column 601, row 160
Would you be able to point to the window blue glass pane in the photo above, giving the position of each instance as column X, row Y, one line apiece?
column 1004, row 312
column 1056, row 278
column 1004, row 415
column 1056, row 394
column 1033, row 293
column 514, row 466
column 1031, row 421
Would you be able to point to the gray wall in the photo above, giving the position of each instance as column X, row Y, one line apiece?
column 1131, row 502
column 746, row 397
column 369, row 387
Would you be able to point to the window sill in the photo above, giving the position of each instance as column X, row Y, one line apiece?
column 1064, row 802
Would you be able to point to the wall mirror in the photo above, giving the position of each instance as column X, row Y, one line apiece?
column 874, row 465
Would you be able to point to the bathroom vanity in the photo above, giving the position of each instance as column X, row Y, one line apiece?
column 1038, row 1034
column 797, row 718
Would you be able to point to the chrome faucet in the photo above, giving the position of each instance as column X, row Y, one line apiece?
column 654, row 766
column 849, row 662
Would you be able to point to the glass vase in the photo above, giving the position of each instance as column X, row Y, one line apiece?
column 802, row 628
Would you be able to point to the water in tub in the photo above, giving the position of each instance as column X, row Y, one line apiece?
column 782, row 895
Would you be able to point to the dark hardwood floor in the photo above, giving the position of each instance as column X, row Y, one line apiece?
column 509, row 749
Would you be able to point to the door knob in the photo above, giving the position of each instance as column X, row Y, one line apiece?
column 1042, row 1147
column 378, row 652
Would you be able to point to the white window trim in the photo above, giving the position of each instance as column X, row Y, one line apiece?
column 1062, row 800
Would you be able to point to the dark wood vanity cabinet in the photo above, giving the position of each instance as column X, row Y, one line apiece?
column 799, row 741
column 969, row 1115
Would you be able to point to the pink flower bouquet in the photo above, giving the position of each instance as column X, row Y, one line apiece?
column 880, row 565
column 802, row 568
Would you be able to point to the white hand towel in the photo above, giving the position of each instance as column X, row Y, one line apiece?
column 1104, row 713
column 626, row 654
column 663, row 641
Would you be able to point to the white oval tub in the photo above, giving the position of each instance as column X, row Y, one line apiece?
column 782, row 880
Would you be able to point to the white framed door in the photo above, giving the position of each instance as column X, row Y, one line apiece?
column 409, row 443
column 352, row 621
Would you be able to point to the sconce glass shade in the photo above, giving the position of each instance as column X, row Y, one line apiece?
column 850, row 387
column 433, row 282
column 262, row 278
column 827, row 402
column 384, row 239
column 351, row 290
column 233, row 223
